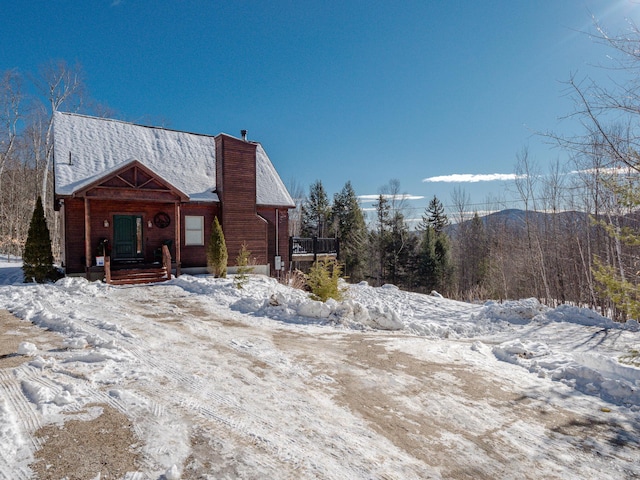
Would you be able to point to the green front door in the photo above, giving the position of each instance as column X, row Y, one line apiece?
column 127, row 236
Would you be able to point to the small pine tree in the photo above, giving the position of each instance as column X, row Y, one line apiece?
column 624, row 294
column 616, row 279
column 217, row 251
column 242, row 261
column 37, row 258
column 323, row 281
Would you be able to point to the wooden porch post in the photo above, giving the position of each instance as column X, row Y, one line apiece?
column 87, row 234
column 177, row 237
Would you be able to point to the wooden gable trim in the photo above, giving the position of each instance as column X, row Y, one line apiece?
column 132, row 181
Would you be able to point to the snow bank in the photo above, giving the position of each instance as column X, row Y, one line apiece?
column 365, row 307
column 590, row 373
column 266, row 297
column 579, row 364
column 518, row 312
column 587, row 317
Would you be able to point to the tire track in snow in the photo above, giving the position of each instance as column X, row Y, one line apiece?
column 213, row 410
column 143, row 353
column 209, row 404
column 215, row 413
column 7, row 465
column 14, row 402
column 22, row 406
column 229, row 419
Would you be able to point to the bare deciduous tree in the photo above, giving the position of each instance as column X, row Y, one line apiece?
column 60, row 85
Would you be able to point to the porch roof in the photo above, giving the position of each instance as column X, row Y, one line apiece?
column 88, row 148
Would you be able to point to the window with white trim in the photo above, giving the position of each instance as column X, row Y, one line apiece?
column 193, row 230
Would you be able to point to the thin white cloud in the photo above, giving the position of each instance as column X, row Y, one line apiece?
column 473, row 177
column 621, row 170
column 388, row 196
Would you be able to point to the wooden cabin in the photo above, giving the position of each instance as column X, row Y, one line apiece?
column 123, row 191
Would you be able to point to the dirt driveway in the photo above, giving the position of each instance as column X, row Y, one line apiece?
column 251, row 388
column 78, row 448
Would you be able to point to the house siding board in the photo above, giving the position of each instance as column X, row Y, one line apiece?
column 196, row 255
column 147, row 196
column 283, row 232
column 256, row 240
column 269, row 217
column 73, row 212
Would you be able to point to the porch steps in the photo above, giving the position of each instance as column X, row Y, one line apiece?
column 132, row 276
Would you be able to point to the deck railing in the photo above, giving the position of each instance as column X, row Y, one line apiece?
column 310, row 248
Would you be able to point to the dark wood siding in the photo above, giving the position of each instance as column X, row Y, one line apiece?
column 269, row 214
column 153, row 236
column 195, row 255
column 73, row 212
column 236, row 181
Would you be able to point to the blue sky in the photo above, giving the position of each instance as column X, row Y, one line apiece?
column 366, row 91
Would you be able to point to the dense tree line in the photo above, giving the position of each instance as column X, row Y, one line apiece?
column 549, row 250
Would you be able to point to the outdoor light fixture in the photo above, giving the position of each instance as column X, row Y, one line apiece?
column 149, row 224
column 106, row 223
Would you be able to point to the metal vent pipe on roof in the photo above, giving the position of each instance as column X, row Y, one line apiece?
column 244, row 135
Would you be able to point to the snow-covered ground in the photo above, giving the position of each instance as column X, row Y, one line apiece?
column 262, row 382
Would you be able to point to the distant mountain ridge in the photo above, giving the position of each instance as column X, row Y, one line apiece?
column 515, row 215
column 514, row 218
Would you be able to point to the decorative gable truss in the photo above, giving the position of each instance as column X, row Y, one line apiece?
column 133, row 181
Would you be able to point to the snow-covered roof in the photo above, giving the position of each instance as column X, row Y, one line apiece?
column 88, row 148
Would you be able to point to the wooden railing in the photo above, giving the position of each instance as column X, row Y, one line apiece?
column 166, row 260
column 107, row 269
column 310, row 248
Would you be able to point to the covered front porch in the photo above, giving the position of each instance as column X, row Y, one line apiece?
column 130, row 240
column 130, row 233
column 130, row 220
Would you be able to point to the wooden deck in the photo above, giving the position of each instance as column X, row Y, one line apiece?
column 311, row 249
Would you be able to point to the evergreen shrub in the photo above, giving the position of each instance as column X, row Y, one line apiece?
column 37, row 258
column 323, row 280
column 217, row 251
column 244, row 269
